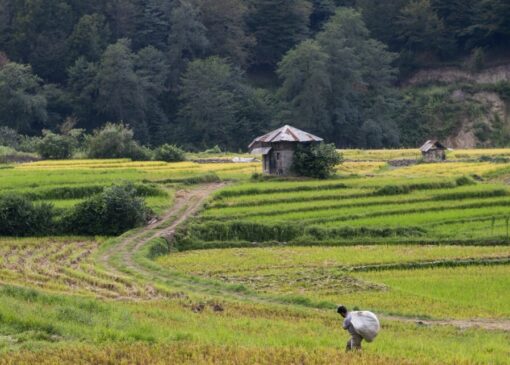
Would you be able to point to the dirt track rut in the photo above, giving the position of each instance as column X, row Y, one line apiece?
column 188, row 203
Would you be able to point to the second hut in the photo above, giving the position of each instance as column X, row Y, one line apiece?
column 433, row 151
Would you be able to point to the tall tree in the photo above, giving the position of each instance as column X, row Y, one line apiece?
column 120, row 94
column 121, row 15
column 490, row 24
column 226, row 28
column 187, row 39
column 321, row 12
column 421, row 29
column 153, row 25
column 209, row 102
column 83, row 92
column 218, row 107
column 89, row 38
column 37, row 32
column 277, row 25
column 22, row 102
column 458, row 17
column 152, row 71
column 336, row 81
column 306, row 86
column 381, row 19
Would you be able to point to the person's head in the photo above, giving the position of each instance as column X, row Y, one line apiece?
column 342, row 310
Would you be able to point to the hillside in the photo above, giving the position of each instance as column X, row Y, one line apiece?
column 201, row 73
column 243, row 271
column 465, row 109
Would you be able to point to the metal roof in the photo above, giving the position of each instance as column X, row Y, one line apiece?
column 286, row 133
column 261, row 151
column 432, row 145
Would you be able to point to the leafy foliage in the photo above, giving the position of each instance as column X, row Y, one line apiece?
column 115, row 141
column 112, row 212
column 130, row 61
column 55, row 146
column 318, row 161
column 20, row 217
column 218, row 105
column 169, row 153
column 9, row 137
column 338, row 83
column 22, row 102
column 277, row 26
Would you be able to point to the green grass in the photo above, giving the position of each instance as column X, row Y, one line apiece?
column 465, row 292
column 341, row 210
column 325, row 273
column 35, row 320
column 305, row 248
column 256, row 260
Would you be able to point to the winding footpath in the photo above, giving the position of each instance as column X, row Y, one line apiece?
column 149, row 281
column 119, row 259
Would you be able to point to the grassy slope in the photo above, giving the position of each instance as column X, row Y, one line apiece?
column 253, row 326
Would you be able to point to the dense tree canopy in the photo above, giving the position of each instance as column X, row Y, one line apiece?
column 201, row 73
column 22, row 101
column 331, row 86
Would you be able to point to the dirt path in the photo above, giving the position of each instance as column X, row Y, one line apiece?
column 119, row 259
column 487, row 324
column 186, row 204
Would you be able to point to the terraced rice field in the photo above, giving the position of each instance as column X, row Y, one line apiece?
column 374, row 209
column 253, row 271
column 66, row 183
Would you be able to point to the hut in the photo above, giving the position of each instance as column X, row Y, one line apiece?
column 277, row 148
column 433, row 151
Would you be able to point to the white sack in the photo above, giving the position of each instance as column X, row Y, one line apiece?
column 366, row 324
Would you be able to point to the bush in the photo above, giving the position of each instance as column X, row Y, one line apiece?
column 10, row 155
column 56, row 147
column 112, row 212
column 169, row 153
column 115, row 141
column 215, row 149
column 9, row 137
column 140, row 153
column 29, row 144
column 317, row 161
column 20, row 217
column 464, row 180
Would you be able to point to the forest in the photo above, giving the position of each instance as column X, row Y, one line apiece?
column 204, row 73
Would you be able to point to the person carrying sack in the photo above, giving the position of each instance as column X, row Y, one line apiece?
column 361, row 325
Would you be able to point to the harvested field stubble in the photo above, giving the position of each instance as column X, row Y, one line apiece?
column 137, row 299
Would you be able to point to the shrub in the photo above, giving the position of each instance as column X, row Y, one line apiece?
column 169, row 153
column 112, row 212
column 9, row 137
column 20, row 217
column 115, row 141
column 215, row 149
column 140, row 153
column 29, row 144
column 10, row 155
column 317, row 161
column 56, row 147
column 464, row 180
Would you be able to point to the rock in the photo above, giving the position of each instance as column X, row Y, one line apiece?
column 198, row 308
column 402, row 163
column 217, row 307
column 458, row 95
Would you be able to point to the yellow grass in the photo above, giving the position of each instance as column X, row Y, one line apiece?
column 446, row 169
column 360, row 167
